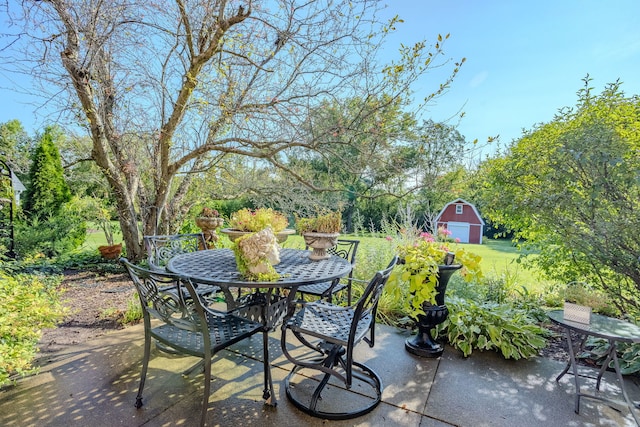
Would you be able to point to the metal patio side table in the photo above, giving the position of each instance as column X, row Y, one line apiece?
column 614, row 331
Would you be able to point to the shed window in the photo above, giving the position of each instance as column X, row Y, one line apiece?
column 459, row 209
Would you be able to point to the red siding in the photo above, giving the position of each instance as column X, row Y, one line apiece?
column 468, row 215
column 474, row 234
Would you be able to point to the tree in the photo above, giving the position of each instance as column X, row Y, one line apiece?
column 47, row 190
column 363, row 163
column 15, row 146
column 165, row 88
column 433, row 158
column 571, row 188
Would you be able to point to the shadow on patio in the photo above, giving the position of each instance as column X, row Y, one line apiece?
column 94, row 384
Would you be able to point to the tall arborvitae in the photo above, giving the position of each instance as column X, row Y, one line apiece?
column 47, row 190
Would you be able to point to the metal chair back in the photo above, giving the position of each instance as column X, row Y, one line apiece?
column 161, row 248
column 186, row 325
column 347, row 249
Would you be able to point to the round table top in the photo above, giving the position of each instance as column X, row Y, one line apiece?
column 218, row 267
column 600, row 326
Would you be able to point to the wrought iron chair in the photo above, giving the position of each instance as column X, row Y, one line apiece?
column 332, row 332
column 346, row 249
column 161, row 248
column 188, row 327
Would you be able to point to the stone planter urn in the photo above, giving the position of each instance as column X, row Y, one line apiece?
column 424, row 344
column 208, row 226
column 320, row 242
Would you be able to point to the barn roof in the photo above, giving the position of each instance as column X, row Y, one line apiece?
column 459, row 201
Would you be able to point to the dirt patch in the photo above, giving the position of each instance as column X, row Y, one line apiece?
column 96, row 305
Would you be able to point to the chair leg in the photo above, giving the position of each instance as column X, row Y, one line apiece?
column 268, row 393
column 145, row 366
column 207, row 391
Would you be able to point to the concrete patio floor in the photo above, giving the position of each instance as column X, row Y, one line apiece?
column 95, row 384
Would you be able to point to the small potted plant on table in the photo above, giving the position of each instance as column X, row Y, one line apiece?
column 256, row 254
column 246, row 221
column 320, row 233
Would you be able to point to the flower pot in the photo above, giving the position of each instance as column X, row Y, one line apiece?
column 233, row 234
column 110, row 251
column 424, row 344
column 206, row 223
column 208, row 226
column 320, row 242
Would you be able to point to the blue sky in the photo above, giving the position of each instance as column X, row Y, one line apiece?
column 525, row 59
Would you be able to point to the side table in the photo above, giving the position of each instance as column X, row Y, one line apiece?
column 613, row 330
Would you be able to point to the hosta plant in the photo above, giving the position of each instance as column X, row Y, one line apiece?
column 491, row 326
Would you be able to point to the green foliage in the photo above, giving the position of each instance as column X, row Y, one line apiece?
column 47, row 190
column 596, row 349
column 258, row 219
column 52, row 235
column 584, row 294
column 416, row 275
column 491, row 326
column 569, row 188
column 28, row 304
column 133, row 313
column 98, row 211
column 329, row 222
column 15, row 145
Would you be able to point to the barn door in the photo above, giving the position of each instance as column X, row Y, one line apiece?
column 459, row 230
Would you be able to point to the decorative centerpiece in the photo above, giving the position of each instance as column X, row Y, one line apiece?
column 208, row 221
column 320, row 233
column 423, row 272
column 256, row 254
column 247, row 221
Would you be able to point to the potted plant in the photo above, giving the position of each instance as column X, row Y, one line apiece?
column 423, row 272
column 256, row 254
column 208, row 221
column 320, row 232
column 252, row 220
column 97, row 211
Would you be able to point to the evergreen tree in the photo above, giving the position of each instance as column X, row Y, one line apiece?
column 47, row 191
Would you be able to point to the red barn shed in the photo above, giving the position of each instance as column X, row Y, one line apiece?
column 463, row 220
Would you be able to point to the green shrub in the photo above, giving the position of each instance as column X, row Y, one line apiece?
column 584, row 294
column 28, row 304
column 491, row 326
column 53, row 235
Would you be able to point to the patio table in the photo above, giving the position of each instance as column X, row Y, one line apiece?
column 611, row 329
column 268, row 303
column 218, row 267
